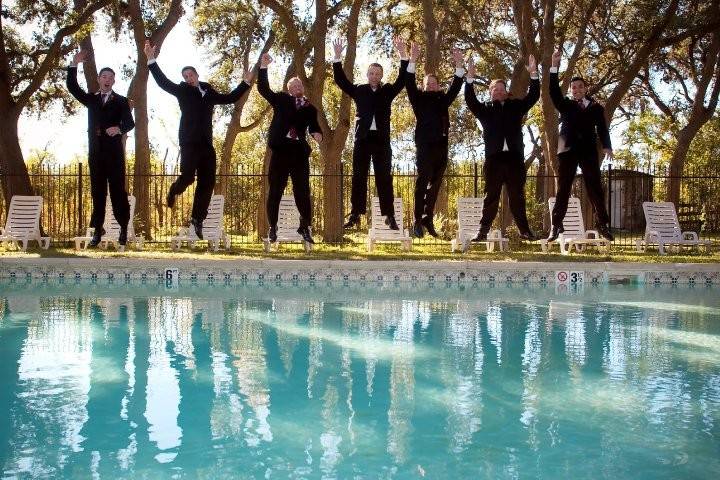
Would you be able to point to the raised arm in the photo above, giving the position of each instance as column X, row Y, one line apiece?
column 72, row 83
column 263, row 85
column 457, row 82
column 555, row 93
column 399, row 82
column 162, row 81
column 233, row 96
column 471, row 100
column 339, row 76
column 533, row 94
column 410, row 78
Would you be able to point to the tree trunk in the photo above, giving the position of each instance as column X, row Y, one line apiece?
column 332, row 189
column 16, row 180
column 141, row 171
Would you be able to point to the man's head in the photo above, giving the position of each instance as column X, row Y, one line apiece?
column 374, row 74
column 430, row 83
column 295, row 87
column 190, row 76
column 578, row 88
column 106, row 79
column 498, row 90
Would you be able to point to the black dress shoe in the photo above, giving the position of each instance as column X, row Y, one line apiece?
column 390, row 222
column 418, row 231
column 197, row 225
column 481, row 236
column 122, row 238
column 604, row 231
column 170, row 199
column 305, row 234
column 97, row 237
column 555, row 233
column 272, row 233
column 428, row 224
column 528, row 235
column 352, row 221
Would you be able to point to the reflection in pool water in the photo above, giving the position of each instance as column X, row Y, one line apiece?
column 139, row 381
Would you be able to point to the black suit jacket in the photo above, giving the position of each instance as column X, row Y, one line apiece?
column 196, row 110
column 503, row 122
column 431, row 109
column 286, row 115
column 369, row 103
column 115, row 113
column 579, row 127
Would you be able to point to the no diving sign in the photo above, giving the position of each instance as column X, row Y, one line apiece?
column 569, row 277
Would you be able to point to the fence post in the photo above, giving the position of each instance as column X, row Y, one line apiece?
column 475, row 179
column 609, row 199
column 80, row 199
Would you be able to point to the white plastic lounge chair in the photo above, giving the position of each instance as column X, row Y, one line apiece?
column 379, row 232
column 213, row 230
column 288, row 222
column 23, row 222
column 575, row 233
column 112, row 230
column 662, row 228
column 469, row 215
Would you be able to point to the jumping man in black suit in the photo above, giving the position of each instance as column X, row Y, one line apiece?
column 431, row 107
column 293, row 115
column 197, row 102
column 372, row 133
column 109, row 118
column 582, row 122
column 502, row 121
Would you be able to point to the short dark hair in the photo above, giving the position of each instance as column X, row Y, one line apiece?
column 433, row 76
column 578, row 79
column 375, row 64
column 106, row 69
column 189, row 67
column 496, row 81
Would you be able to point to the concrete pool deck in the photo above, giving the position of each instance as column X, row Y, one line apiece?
column 331, row 271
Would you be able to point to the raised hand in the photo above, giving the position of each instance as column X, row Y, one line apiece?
column 317, row 136
column 149, row 50
column 265, row 60
column 248, row 76
column 608, row 154
column 457, row 57
column 79, row 57
column 471, row 67
column 414, row 52
column 556, row 57
column 400, row 46
column 338, row 47
column 532, row 64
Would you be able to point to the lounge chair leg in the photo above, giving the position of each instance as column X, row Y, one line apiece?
column 266, row 245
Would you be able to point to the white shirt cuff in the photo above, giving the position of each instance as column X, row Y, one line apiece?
column 554, row 69
column 411, row 67
column 535, row 75
column 459, row 72
column 72, row 66
column 405, row 58
column 151, row 61
column 337, row 60
column 469, row 79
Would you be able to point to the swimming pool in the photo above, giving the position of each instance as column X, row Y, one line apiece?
column 136, row 380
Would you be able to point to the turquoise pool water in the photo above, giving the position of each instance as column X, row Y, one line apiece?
column 291, row 381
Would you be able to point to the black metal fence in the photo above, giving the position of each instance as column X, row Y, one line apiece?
column 66, row 190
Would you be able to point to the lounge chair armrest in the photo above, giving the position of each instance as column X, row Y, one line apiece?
column 690, row 236
column 650, row 234
column 592, row 234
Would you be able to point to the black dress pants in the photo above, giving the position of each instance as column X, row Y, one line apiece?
column 197, row 158
column 377, row 149
column 292, row 159
column 587, row 159
column 107, row 169
column 432, row 160
column 504, row 168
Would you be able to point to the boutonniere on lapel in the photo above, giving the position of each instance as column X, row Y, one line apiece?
column 301, row 102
